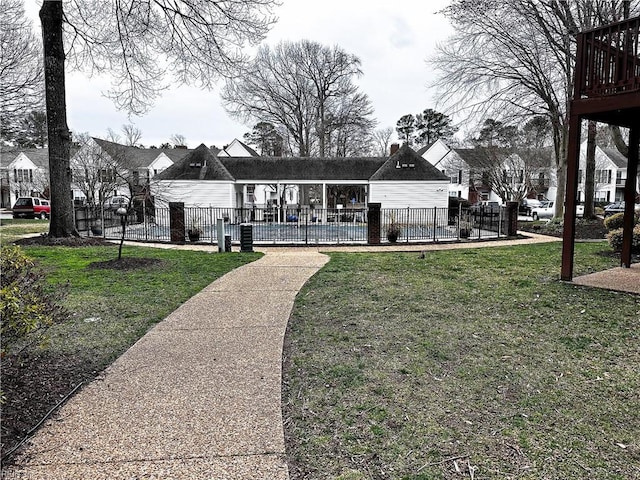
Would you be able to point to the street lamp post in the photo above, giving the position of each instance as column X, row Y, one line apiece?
column 122, row 213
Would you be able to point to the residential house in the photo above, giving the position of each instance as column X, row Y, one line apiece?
column 237, row 149
column 23, row 172
column 401, row 180
column 610, row 174
column 103, row 169
column 481, row 174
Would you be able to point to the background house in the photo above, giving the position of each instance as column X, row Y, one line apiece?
column 102, row 169
column 23, row 173
column 483, row 174
column 610, row 174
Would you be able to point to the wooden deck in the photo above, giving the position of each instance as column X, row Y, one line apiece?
column 607, row 90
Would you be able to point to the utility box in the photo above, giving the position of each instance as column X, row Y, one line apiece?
column 246, row 237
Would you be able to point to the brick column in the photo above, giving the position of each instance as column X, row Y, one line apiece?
column 374, row 223
column 176, row 222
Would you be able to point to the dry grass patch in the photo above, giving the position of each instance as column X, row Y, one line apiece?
column 464, row 364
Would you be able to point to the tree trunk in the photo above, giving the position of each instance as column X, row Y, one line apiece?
column 590, row 171
column 561, row 138
column 62, row 224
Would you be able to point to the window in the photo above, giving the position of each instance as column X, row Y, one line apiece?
column 107, row 175
column 580, row 176
column 603, row 176
column 23, row 175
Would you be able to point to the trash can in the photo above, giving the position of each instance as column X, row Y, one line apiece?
column 246, row 237
column 227, row 242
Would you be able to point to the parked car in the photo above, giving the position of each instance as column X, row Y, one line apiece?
column 31, row 207
column 116, row 202
column 527, row 205
column 618, row 207
column 547, row 209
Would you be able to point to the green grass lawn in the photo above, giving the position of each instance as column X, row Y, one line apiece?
column 13, row 229
column 473, row 363
column 110, row 309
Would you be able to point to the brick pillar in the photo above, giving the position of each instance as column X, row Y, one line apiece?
column 176, row 222
column 374, row 223
column 512, row 219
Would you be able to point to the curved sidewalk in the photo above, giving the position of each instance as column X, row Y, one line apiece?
column 197, row 397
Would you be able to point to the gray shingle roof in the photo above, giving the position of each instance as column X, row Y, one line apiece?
column 616, row 157
column 302, row 168
column 135, row 157
column 198, row 164
column 270, row 169
column 407, row 165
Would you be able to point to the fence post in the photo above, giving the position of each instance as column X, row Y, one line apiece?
column 374, row 223
column 512, row 219
column 435, row 222
column 407, row 228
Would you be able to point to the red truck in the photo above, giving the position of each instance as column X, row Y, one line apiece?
column 31, row 207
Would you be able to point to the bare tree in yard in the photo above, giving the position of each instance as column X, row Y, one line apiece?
column 178, row 140
column 382, row 141
column 132, row 134
column 511, row 160
column 348, row 129
column 301, row 87
column 516, row 59
column 21, row 76
column 94, row 171
column 265, row 138
column 140, row 43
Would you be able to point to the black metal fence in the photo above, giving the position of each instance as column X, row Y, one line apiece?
column 302, row 226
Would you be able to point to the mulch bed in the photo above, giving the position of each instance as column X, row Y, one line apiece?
column 47, row 241
column 593, row 229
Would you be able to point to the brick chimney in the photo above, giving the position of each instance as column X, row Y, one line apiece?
column 394, row 148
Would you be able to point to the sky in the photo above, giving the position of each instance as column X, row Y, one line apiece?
column 392, row 39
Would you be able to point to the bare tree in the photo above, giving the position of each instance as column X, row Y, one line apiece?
column 21, row 76
column 95, row 173
column 382, row 141
column 178, row 139
column 132, row 134
column 139, row 43
column 113, row 136
column 513, row 59
column 302, row 87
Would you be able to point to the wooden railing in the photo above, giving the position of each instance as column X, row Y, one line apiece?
column 608, row 60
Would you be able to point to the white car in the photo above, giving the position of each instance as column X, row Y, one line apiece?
column 548, row 210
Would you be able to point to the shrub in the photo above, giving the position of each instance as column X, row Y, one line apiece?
column 27, row 308
column 614, row 222
column 615, row 239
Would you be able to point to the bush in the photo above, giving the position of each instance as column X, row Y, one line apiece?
column 27, row 308
column 614, row 222
column 615, row 239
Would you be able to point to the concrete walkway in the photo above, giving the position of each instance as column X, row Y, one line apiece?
column 198, row 397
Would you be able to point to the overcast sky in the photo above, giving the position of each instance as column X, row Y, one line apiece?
column 392, row 39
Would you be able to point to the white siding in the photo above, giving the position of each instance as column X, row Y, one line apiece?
column 409, row 194
column 161, row 163
column 194, row 193
column 436, row 153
